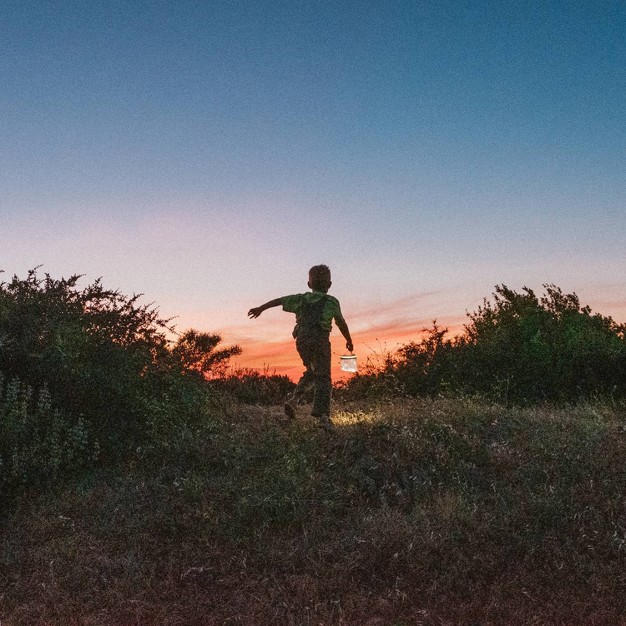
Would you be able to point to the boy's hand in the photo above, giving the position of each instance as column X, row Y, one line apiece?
column 349, row 346
column 257, row 310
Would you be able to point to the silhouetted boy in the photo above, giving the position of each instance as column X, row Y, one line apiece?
column 315, row 311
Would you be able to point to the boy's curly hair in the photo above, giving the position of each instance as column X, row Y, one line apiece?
column 319, row 277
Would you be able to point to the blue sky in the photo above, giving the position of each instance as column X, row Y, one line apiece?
column 207, row 153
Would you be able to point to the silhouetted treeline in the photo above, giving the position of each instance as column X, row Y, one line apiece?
column 515, row 348
column 251, row 387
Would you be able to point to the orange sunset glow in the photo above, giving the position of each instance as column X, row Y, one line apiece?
column 280, row 357
column 377, row 331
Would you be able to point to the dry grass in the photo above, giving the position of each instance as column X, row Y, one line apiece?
column 421, row 512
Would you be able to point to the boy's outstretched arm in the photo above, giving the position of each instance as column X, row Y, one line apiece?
column 256, row 311
column 343, row 327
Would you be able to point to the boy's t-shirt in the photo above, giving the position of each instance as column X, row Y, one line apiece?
column 331, row 310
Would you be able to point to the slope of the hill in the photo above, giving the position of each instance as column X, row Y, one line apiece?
column 417, row 512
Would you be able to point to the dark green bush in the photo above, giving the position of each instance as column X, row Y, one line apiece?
column 94, row 361
column 525, row 348
column 99, row 353
column 516, row 348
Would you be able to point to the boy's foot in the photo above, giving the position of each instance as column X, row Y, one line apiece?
column 325, row 423
column 290, row 410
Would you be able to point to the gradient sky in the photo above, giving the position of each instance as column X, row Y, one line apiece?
column 206, row 154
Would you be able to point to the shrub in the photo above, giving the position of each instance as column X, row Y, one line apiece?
column 97, row 351
column 196, row 353
column 251, row 387
column 517, row 348
column 92, row 361
column 525, row 348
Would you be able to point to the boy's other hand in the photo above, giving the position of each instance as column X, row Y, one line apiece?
column 349, row 346
column 255, row 312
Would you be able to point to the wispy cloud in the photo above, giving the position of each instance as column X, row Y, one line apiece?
column 407, row 304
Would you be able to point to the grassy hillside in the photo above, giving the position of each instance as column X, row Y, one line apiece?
column 413, row 512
